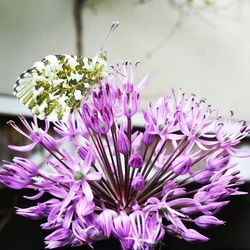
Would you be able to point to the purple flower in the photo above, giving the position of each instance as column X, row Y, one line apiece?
column 146, row 230
column 59, row 238
column 122, row 225
column 230, row 134
column 105, row 221
column 107, row 179
column 148, row 138
column 182, row 164
column 123, row 145
column 39, row 211
column 71, row 128
column 18, row 174
column 207, row 221
column 202, row 176
column 135, row 160
column 85, row 232
column 217, row 160
column 84, row 207
column 193, row 236
column 122, row 230
column 36, row 135
column 160, row 121
column 138, row 182
column 130, row 104
column 83, row 152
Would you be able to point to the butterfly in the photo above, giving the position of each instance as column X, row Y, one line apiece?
column 57, row 85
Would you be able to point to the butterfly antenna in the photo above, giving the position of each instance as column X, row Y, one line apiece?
column 113, row 27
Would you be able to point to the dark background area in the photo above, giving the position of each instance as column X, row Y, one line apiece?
column 20, row 233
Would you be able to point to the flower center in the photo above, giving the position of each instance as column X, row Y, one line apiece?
column 78, row 176
column 163, row 210
column 103, row 126
column 161, row 127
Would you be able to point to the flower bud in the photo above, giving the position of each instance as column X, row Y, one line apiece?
column 123, row 143
column 86, row 115
column 182, row 164
column 148, row 138
column 83, row 152
column 169, row 186
column 130, row 104
column 49, row 142
column 135, row 160
column 191, row 235
column 217, row 161
column 203, row 176
column 208, row 221
column 138, row 182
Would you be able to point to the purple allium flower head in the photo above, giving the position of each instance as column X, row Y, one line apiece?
column 105, row 179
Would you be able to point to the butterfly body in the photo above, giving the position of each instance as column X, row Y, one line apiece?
column 56, row 86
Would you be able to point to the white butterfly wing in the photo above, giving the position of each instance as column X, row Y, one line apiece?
column 56, row 86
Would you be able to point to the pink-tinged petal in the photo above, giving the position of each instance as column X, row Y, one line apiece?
column 70, row 196
column 192, row 235
column 143, row 83
column 183, row 125
column 207, row 142
column 137, row 141
column 105, row 221
column 95, row 176
column 175, row 137
column 87, row 191
column 34, row 197
column 68, row 217
column 239, row 153
column 87, row 162
column 26, row 148
column 201, row 146
column 47, row 125
column 84, row 207
column 208, row 221
column 219, row 133
column 59, row 238
column 56, row 191
column 122, row 225
column 176, row 221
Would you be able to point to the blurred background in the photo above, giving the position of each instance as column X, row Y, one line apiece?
column 201, row 46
